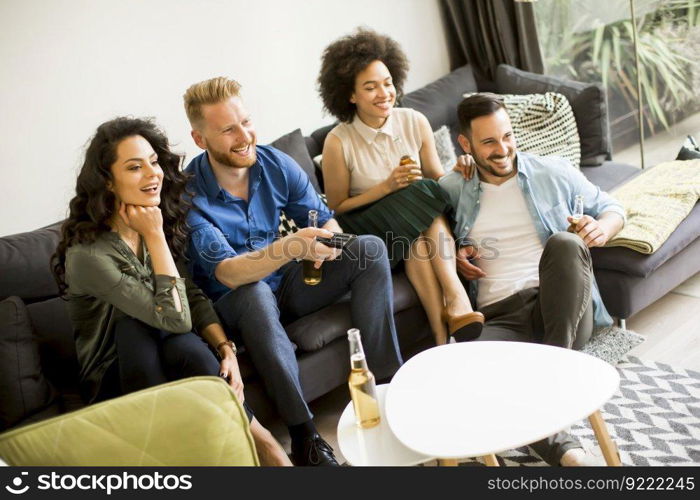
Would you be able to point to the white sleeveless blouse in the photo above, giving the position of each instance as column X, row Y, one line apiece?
column 371, row 154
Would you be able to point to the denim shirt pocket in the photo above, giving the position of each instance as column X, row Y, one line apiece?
column 556, row 217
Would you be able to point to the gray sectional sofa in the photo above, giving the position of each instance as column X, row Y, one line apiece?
column 38, row 373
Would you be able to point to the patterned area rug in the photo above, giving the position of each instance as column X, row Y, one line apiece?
column 654, row 418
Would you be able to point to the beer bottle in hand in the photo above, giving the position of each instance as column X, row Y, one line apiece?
column 312, row 276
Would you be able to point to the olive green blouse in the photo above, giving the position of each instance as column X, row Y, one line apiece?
column 106, row 282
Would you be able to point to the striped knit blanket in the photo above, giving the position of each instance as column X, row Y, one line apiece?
column 655, row 203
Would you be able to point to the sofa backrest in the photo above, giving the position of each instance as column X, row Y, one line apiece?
column 24, row 264
column 439, row 100
column 25, row 272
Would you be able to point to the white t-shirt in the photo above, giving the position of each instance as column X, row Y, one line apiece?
column 508, row 241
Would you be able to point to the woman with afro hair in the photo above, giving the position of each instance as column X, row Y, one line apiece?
column 375, row 189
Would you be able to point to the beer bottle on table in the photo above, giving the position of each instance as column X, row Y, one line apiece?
column 312, row 276
column 363, row 390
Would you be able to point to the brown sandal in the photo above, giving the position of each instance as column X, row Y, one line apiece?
column 465, row 326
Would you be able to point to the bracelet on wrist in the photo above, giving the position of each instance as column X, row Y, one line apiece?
column 228, row 343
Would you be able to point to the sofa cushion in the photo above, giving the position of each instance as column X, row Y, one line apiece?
column 688, row 154
column 444, row 147
column 610, row 174
column 195, row 421
column 624, row 294
column 53, row 332
column 294, row 145
column 438, row 100
column 23, row 389
column 588, row 101
column 314, row 331
column 628, row 261
column 24, row 264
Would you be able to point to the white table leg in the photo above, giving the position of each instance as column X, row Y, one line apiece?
column 607, row 445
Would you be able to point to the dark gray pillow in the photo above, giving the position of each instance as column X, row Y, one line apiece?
column 438, row 100
column 23, row 389
column 24, row 263
column 294, row 145
column 587, row 100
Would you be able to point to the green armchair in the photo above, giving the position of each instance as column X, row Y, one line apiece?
column 190, row 422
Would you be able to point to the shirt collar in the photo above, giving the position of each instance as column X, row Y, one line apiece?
column 523, row 165
column 370, row 134
column 211, row 185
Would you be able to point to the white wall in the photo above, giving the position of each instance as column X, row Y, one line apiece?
column 68, row 65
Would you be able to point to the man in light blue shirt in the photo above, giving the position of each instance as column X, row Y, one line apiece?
column 531, row 274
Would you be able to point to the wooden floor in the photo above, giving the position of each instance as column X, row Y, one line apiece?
column 671, row 326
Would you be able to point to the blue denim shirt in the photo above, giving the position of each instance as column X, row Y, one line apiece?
column 223, row 226
column 549, row 185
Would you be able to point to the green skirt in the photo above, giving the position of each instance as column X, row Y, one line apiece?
column 400, row 217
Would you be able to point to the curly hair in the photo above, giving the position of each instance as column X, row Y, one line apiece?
column 93, row 205
column 345, row 58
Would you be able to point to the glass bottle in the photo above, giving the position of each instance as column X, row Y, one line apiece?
column 406, row 158
column 577, row 215
column 312, row 276
column 363, row 390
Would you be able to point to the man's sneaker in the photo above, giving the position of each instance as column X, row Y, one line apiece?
column 313, row 450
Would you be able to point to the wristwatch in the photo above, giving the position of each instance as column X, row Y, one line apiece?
column 228, row 343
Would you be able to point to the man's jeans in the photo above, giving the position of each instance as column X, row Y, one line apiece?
column 252, row 313
column 559, row 312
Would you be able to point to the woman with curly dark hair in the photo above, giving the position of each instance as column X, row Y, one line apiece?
column 380, row 168
column 132, row 312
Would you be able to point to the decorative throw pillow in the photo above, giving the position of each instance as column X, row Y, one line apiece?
column 687, row 154
column 23, row 389
column 445, row 148
column 689, row 151
column 588, row 101
column 318, row 161
column 544, row 124
column 287, row 224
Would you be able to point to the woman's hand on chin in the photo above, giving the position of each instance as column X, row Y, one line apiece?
column 147, row 221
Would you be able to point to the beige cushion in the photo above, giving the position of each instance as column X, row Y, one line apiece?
column 190, row 422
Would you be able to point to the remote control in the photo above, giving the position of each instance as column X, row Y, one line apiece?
column 338, row 240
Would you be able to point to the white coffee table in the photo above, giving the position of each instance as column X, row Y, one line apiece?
column 375, row 446
column 480, row 398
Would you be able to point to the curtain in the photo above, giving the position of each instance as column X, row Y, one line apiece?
column 486, row 33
